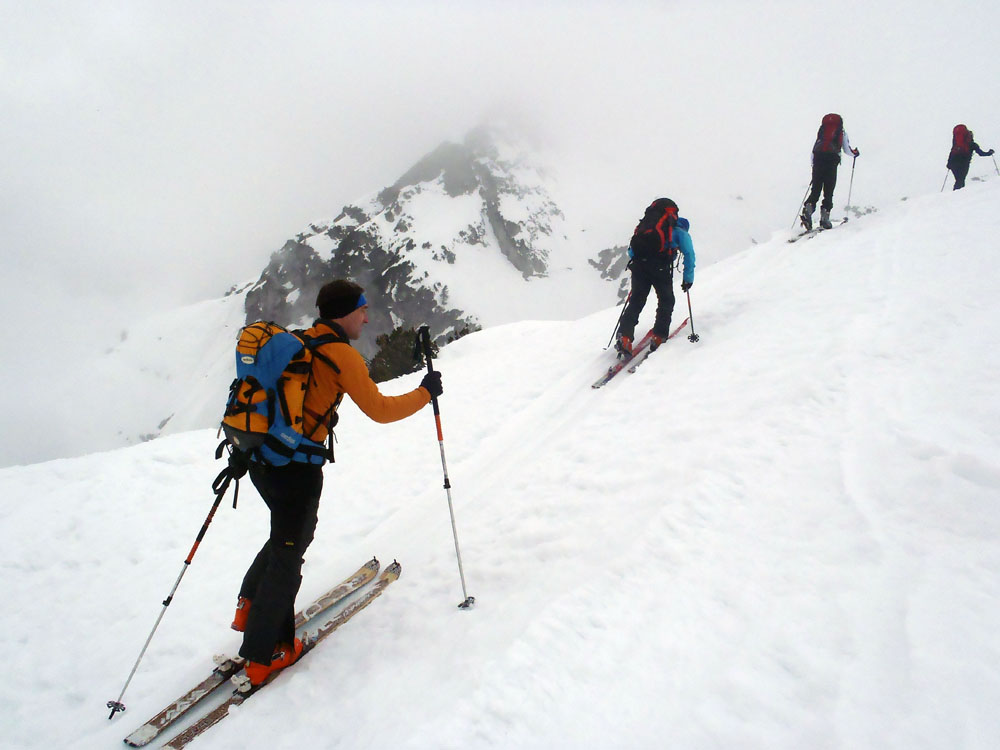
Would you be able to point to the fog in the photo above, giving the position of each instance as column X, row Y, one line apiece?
column 156, row 153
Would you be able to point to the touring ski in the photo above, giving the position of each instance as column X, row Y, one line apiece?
column 624, row 359
column 227, row 667
column 243, row 688
column 814, row 231
column 639, row 350
column 636, row 361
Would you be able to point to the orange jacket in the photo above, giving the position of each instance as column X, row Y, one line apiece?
column 327, row 386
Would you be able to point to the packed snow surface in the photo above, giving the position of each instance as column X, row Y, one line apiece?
column 786, row 535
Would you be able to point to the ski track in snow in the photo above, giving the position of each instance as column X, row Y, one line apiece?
column 783, row 536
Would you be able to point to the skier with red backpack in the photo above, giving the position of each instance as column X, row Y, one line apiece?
column 831, row 139
column 653, row 251
column 960, row 157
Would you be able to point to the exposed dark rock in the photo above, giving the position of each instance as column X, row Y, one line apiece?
column 385, row 260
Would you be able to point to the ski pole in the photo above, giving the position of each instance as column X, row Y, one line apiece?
column 945, row 181
column 995, row 165
column 424, row 345
column 620, row 316
column 801, row 204
column 850, row 188
column 220, row 485
column 693, row 337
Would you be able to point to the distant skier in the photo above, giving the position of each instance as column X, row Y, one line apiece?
column 831, row 138
column 960, row 157
column 265, row 611
column 658, row 237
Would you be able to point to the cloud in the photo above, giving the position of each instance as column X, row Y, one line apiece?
column 166, row 150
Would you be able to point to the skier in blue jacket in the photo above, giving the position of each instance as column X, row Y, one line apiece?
column 657, row 239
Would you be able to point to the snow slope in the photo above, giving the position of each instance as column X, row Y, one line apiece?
column 162, row 374
column 784, row 536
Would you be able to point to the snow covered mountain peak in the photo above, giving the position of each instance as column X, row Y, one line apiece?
column 451, row 243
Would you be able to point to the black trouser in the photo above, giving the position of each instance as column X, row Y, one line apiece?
column 824, row 177
column 292, row 494
column 646, row 275
column 960, row 168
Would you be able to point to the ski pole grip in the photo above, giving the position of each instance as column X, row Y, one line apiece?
column 424, row 343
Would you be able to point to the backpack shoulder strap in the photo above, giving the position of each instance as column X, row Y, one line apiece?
column 337, row 334
column 313, row 343
column 323, row 358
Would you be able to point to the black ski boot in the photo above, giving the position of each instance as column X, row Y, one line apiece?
column 624, row 347
column 807, row 215
column 824, row 218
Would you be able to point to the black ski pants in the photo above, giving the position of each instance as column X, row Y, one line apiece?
column 960, row 168
column 646, row 275
column 824, row 177
column 292, row 495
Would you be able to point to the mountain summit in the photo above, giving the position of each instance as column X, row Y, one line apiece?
column 467, row 237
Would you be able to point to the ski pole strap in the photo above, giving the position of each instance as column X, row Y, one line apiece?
column 239, row 464
column 221, row 484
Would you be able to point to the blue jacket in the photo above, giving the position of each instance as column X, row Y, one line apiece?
column 682, row 241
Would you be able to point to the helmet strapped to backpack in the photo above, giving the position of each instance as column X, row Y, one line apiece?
column 961, row 141
column 265, row 416
column 653, row 235
column 830, row 136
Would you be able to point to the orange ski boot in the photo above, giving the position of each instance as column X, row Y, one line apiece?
column 284, row 655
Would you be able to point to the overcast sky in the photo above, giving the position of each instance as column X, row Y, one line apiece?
column 156, row 152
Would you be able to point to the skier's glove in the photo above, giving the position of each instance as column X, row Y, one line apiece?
column 990, row 153
column 432, row 382
column 239, row 463
column 855, row 152
column 685, row 285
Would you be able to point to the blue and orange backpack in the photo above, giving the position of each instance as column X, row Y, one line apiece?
column 265, row 417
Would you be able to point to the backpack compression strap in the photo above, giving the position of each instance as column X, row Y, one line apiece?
column 669, row 218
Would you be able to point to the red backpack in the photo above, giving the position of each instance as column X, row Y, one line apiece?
column 961, row 141
column 830, row 136
column 655, row 230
